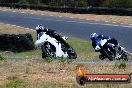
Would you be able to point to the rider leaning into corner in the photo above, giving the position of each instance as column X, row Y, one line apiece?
column 41, row 28
column 96, row 38
column 50, row 32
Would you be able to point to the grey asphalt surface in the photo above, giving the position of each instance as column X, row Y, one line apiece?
column 23, row 60
column 71, row 27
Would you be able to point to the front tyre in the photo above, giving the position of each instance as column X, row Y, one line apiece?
column 124, row 57
column 48, row 50
column 109, row 52
column 70, row 51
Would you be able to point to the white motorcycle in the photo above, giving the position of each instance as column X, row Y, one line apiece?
column 51, row 46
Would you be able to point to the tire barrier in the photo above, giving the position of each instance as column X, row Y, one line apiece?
column 16, row 43
column 80, row 10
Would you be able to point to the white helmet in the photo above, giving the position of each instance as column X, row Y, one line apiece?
column 93, row 36
column 40, row 27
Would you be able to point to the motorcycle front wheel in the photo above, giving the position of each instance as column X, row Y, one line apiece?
column 109, row 53
column 48, row 50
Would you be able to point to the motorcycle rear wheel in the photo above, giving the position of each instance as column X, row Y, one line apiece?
column 70, row 51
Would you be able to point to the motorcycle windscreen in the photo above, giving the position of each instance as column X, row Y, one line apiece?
column 40, row 34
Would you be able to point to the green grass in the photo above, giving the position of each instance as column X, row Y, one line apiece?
column 2, row 58
column 27, row 55
column 83, row 48
column 80, row 45
column 21, row 84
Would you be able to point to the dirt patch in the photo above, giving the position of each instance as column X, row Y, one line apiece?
column 89, row 55
column 42, row 72
column 110, row 18
column 35, row 71
column 9, row 29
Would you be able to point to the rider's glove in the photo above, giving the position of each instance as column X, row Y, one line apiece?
column 97, row 48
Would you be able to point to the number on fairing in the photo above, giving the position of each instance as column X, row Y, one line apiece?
column 40, row 34
column 102, row 42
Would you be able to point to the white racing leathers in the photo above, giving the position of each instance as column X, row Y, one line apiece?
column 43, row 37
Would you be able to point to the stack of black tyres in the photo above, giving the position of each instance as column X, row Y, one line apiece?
column 16, row 43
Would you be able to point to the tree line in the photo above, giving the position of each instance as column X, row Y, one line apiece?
column 76, row 3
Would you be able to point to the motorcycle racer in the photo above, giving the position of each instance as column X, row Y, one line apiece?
column 52, row 43
column 41, row 28
column 96, row 40
column 50, row 32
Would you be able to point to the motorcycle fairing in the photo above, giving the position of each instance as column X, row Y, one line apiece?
column 53, row 41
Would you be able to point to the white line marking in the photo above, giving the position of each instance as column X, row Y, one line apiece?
column 21, row 27
column 1, row 23
column 13, row 25
column 4, row 10
column 60, row 16
column 8, row 24
column 22, row 12
column 42, row 14
column 93, row 23
column 113, row 22
column 32, row 13
column 13, row 11
column 27, row 28
column 106, row 21
column 51, row 15
column 17, row 26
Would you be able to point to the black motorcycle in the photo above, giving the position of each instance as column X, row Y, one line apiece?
column 114, row 52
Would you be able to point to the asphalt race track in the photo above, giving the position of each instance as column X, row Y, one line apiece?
column 71, row 27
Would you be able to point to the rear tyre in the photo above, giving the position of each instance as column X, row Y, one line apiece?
column 71, row 53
